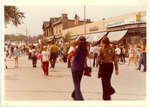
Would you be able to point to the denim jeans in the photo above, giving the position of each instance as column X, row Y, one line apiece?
column 144, row 61
column 77, row 76
column 95, row 60
column 140, row 61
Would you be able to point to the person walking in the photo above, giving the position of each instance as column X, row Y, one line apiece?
column 137, row 54
column 131, row 55
column 70, row 52
column 45, row 61
column 34, row 57
column 95, row 52
column 77, row 67
column 142, row 59
column 54, row 50
column 106, row 59
column 16, row 55
column 122, row 54
column 117, row 52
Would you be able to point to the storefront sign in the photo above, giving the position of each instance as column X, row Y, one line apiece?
column 116, row 23
column 93, row 28
column 130, row 20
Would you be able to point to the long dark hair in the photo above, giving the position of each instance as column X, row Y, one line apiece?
column 82, row 44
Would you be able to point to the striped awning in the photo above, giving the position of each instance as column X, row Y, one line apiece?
column 116, row 35
column 95, row 36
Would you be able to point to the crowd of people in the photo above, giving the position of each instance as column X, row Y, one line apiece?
column 75, row 53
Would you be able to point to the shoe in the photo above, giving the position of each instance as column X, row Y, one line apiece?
column 107, row 98
column 52, row 69
column 99, row 75
column 143, row 71
column 138, row 69
column 73, row 96
column 112, row 92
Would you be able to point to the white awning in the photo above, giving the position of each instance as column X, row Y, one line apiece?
column 117, row 35
column 95, row 36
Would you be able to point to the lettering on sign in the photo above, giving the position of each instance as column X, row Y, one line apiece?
column 130, row 20
column 93, row 28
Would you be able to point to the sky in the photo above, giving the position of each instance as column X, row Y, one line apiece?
column 37, row 13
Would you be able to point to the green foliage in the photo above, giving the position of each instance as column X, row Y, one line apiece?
column 67, row 37
column 13, row 15
column 12, row 37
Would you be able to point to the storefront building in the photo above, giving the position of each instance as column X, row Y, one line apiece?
column 129, row 28
column 54, row 28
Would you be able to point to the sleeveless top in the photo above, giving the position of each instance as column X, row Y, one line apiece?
column 79, row 60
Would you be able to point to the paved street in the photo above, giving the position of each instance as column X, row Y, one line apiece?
column 27, row 83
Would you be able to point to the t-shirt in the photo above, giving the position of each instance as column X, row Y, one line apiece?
column 117, row 51
column 54, row 48
column 45, row 55
column 91, row 49
column 16, row 52
column 95, row 49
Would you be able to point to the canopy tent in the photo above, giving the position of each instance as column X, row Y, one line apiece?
column 95, row 37
column 116, row 35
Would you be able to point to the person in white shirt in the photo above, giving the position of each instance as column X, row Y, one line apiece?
column 71, row 49
column 45, row 60
column 117, row 52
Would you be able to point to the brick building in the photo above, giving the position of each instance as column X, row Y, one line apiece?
column 56, row 25
column 131, row 27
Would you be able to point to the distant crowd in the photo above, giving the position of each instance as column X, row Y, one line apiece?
column 105, row 56
column 60, row 51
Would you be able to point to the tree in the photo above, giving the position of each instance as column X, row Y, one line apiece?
column 12, row 37
column 67, row 37
column 13, row 15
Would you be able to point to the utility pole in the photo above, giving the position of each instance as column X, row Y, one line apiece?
column 85, row 20
column 27, row 35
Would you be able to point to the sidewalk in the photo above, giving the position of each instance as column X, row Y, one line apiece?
column 27, row 83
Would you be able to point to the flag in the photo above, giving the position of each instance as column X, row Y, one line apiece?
column 76, row 21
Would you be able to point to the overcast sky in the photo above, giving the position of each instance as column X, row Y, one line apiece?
column 37, row 13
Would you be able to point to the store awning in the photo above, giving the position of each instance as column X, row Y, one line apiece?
column 95, row 36
column 117, row 35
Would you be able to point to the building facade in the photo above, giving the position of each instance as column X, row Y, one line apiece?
column 56, row 25
column 134, row 24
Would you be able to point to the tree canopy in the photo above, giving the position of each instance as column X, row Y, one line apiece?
column 13, row 15
column 67, row 37
column 21, row 37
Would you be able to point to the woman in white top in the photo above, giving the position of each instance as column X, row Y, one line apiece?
column 137, row 54
column 131, row 55
column 45, row 60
